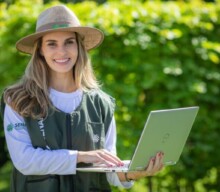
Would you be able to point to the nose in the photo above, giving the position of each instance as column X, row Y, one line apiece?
column 61, row 50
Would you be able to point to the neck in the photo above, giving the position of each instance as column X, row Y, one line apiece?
column 63, row 83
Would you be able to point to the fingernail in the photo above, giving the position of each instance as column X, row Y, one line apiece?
column 160, row 154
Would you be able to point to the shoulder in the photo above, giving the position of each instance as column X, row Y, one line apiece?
column 101, row 103
column 100, row 95
column 12, row 116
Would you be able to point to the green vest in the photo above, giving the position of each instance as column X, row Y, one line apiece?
column 84, row 129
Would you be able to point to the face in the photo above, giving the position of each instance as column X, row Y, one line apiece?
column 60, row 51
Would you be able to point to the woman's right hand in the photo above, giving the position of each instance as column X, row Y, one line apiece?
column 101, row 156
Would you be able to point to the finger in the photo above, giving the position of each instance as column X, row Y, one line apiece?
column 158, row 162
column 100, row 158
column 111, row 155
column 148, row 170
column 114, row 159
column 161, row 165
column 109, row 158
column 161, row 159
column 97, row 157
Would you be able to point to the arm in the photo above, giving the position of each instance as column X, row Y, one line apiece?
column 34, row 161
column 37, row 161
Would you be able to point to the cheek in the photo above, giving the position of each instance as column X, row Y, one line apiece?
column 43, row 51
column 74, row 52
column 46, row 53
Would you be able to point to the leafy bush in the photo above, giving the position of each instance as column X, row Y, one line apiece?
column 155, row 55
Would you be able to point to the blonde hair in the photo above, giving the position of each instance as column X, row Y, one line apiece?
column 30, row 96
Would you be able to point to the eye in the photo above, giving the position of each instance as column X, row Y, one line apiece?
column 52, row 44
column 72, row 41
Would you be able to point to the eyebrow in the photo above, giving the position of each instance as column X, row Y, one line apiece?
column 53, row 40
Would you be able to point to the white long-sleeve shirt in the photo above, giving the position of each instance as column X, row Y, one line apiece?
column 36, row 161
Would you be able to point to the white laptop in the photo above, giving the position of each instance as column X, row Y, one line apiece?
column 166, row 131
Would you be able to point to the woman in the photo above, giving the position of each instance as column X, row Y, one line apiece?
column 56, row 118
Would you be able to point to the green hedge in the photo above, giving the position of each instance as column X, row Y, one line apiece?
column 155, row 55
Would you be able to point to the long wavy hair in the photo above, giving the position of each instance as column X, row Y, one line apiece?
column 29, row 97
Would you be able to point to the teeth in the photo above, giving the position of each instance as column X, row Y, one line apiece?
column 61, row 60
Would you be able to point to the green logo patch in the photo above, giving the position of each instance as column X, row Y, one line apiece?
column 10, row 127
column 16, row 126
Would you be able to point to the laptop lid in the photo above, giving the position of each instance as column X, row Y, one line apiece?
column 166, row 131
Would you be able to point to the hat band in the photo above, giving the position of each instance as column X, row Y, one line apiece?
column 55, row 25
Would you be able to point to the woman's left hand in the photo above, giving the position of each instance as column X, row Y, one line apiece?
column 154, row 166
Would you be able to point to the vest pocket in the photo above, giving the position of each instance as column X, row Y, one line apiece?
column 96, row 134
column 46, row 183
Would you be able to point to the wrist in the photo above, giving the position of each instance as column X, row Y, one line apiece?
column 80, row 155
column 127, row 177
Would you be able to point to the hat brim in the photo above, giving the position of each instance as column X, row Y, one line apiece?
column 92, row 38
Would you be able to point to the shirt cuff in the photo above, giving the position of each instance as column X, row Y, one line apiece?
column 73, row 159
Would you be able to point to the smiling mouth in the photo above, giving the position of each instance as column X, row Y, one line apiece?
column 61, row 61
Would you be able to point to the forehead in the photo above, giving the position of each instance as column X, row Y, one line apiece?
column 59, row 35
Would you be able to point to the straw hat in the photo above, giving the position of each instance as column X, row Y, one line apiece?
column 60, row 18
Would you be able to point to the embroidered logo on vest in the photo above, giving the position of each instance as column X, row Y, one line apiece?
column 96, row 138
column 41, row 126
column 42, row 130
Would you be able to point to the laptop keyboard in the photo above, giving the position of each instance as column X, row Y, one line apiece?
column 126, row 164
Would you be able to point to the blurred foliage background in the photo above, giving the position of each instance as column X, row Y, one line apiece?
column 156, row 55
